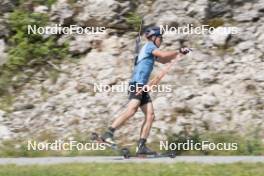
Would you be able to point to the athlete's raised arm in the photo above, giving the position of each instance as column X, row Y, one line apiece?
column 166, row 56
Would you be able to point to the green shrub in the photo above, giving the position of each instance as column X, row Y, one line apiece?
column 38, row 2
column 27, row 50
column 215, row 22
column 6, row 100
column 134, row 20
column 246, row 145
column 30, row 49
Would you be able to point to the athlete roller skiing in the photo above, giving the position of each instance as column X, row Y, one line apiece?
column 138, row 97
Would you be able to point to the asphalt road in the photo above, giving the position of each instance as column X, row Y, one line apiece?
column 117, row 159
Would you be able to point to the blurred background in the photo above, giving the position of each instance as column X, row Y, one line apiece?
column 47, row 81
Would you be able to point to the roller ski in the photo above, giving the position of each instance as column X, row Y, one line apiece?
column 127, row 155
column 144, row 152
column 106, row 139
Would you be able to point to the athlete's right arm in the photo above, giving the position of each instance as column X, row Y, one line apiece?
column 164, row 56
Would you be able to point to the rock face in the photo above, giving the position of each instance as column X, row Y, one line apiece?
column 3, row 55
column 220, row 36
column 215, row 88
column 6, row 6
column 4, row 130
column 103, row 13
column 62, row 12
column 4, row 133
column 41, row 9
column 3, row 28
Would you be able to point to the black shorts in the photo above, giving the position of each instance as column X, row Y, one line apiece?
column 144, row 97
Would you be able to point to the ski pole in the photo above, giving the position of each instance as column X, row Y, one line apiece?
column 163, row 72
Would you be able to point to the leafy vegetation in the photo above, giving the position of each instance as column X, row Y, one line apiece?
column 215, row 22
column 37, row 2
column 134, row 20
column 131, row 169
column 27, row 50
column 6, row 101
column 251, row 145
column 246, row 146
column 11, row 148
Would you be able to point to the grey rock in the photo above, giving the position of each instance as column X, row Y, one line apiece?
column 41, row 9
column 184, row 93
column 63, row 79
column 2, row 115
column 247, row 16
column 80, row 44
column 161, row 103
column 206, row 76
column 220, row 36
column 215, row 120
column 244, row 46
column 4, row 132
column 259, row 6
column 260, row 41
column 103, row 13
column 21, row 106
column 104, row 74
column 62, row 12
column 176, row 129
column 4, row 31
column 6, row 6
column 259, row 77
column 174, row 9
column 198, row 9
column 3, row 55
column 209, row 101
column 182, row 121
column 219, row 8
column 181, row 108
column 162, row 126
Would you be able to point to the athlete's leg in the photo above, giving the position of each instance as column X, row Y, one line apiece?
column 149, row 118
column 129, row 112
column 145, row 129
column 131, row 109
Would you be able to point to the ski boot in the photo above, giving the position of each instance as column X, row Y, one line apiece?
column 108, row 137
column 143, row 150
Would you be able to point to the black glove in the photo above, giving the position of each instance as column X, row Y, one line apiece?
column 185, row 50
